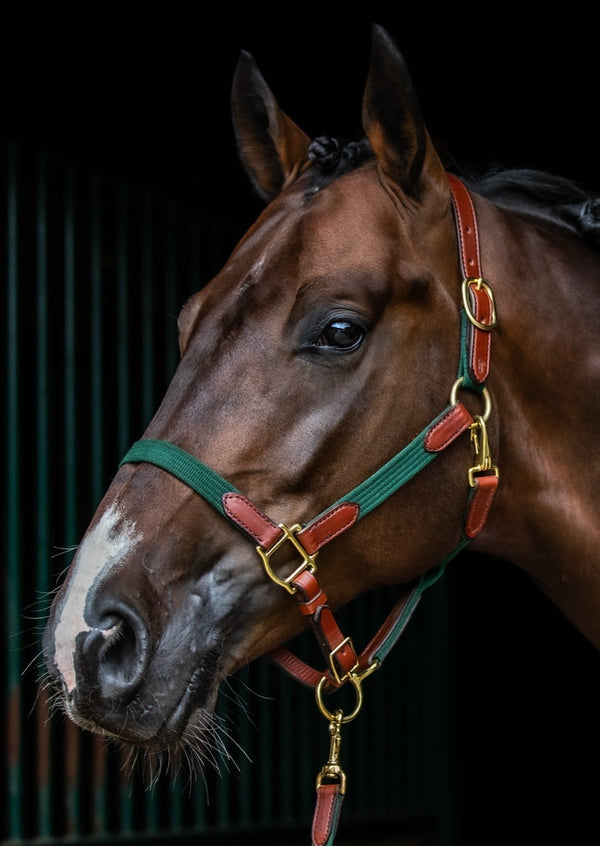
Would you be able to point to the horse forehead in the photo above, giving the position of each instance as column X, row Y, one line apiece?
column 350, row 220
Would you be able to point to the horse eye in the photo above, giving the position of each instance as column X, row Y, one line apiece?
column 342, row 334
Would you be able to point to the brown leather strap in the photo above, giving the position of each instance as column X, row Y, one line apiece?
column 297, row 668
column 326, row 814
column 309, row 677
column 327, row 527
column 466, row 228
column 456, row 421
column 480, row 341
column 251, row 519
column 481, row 305
column 480, row 503
column 312, row 601
column 266, row 532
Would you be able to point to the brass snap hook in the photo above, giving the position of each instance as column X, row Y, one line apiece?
column 332, row 769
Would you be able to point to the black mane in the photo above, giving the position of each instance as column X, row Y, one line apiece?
column 332, row 157
column 553, row 197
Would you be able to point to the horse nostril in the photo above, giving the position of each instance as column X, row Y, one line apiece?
column 115, row 653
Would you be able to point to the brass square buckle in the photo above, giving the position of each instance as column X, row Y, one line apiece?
column 341, row 679
column 308, row 561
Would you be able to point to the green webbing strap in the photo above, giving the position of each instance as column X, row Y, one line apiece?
column 211, row 487
column 463, row 367
column 393, row 475
column 196, row 475
column 425, row 581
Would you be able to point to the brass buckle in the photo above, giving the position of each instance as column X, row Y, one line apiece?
column 479, row 284
column 341, row 679
column 308, row 561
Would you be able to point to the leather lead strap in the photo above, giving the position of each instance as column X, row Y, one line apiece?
column 326, row 815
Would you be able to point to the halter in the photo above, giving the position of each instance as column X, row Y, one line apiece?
column 344, row 664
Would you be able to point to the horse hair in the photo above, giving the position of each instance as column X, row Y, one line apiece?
column 332, row 157
column 560, row 199
column 555, row 197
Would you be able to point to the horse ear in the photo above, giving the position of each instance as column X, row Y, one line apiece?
column 393, row 122
column 272, row 148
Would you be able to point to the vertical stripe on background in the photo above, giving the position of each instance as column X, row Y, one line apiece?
column 96, row 448
column 172, row 301
column 13, row 620
column 147, row 312
column 44, row 800
column 72, row 735
column 122, row 303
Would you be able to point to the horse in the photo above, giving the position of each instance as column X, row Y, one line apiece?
column 395, row 362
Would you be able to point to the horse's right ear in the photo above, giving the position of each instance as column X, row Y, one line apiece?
column 272, row 148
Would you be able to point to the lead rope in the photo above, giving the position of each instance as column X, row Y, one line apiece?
column 478, row 317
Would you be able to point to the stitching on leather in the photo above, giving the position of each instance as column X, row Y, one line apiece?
column 228, row 497
column 453, row 434
column 349, row 522
column 328, row 818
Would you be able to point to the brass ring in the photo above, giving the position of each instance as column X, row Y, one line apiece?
column 327, row 713
column 484, row 391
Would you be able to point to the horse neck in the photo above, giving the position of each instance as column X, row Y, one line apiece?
column 544, row 378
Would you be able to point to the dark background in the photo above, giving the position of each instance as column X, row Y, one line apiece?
column 145, row 95
column 148, row 93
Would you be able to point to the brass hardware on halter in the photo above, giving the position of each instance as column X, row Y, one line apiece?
column 479, row 284
column 484, row 392
column 308, row 561
column 481, row 446
column 332, row 769
column 355, row 681
column 341, row 679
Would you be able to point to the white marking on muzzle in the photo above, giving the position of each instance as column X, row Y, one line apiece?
column 102, row 548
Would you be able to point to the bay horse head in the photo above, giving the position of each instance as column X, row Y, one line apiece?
column 328, row 342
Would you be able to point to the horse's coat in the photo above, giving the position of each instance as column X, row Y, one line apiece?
column 326, row 343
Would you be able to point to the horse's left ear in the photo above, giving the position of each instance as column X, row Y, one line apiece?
column 272, row 148
column 393, row 122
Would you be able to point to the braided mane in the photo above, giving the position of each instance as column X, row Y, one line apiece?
column 554, row 197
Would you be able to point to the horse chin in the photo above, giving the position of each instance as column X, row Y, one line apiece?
column 189, row 743
column 190, row 739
